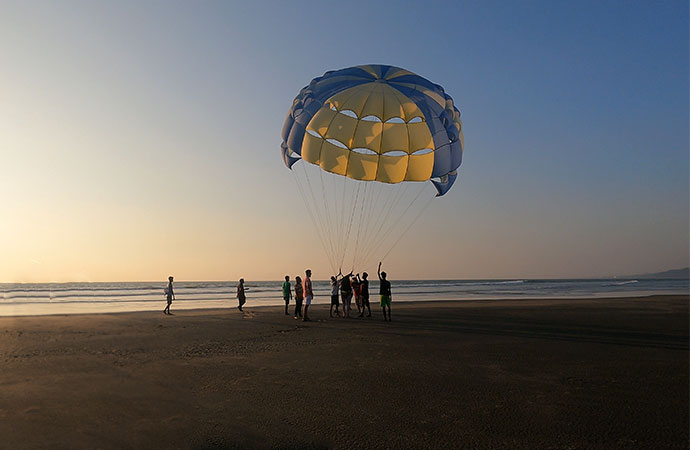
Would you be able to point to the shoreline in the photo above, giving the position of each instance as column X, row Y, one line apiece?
column 232, row 303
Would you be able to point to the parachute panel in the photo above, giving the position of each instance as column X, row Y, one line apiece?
column 395, row 138
column 362, row 166
column 368, row 135
column 322, row 121
column 333, row 158
column 311, row 150
column 392, row 169
column 420, row 137
column 342, row 129
column 374, row 103
column 419, row 167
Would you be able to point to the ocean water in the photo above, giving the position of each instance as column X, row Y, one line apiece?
column 18, row 299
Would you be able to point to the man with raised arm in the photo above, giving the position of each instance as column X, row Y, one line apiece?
column 385, row 291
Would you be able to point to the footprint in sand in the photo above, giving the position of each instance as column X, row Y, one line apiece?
column 248, row 315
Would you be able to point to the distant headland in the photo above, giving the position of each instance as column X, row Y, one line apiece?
column 676, row 274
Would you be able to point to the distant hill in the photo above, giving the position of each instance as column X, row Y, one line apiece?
column 670, row 274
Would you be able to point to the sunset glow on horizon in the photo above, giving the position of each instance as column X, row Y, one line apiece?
column 139, row 141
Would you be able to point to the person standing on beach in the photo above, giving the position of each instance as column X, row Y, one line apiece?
column 335, row 284
column 346, row 294
column 298, row 297
column 385, row 291
column 356, row 291
column 241, row 297
column 308, row 295
column 287, row 293
column 364, row 292
column 170, row 296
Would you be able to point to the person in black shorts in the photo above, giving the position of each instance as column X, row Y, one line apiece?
column 335, row 285
column 364, row 292
column 241, row 296
column 299, row 296
column 357, row 292
column 287, row 293
column 385, row 291
column 346, row 294
column 170, row 296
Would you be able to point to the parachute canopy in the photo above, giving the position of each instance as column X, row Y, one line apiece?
column 370, row 137
column 376, row 123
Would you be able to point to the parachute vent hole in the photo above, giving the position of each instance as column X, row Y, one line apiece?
column 337, row 143
column 396, row 153
column 314, row 133
column 395, row 120
column 371, row 119
column 333, row 108
column 364, row 151
column 415, row 120
column 423, row 151
column 443, row 179
column 349, row 113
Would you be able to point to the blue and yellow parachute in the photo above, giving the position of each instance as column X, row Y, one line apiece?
column 376, row 123
column 371, row 136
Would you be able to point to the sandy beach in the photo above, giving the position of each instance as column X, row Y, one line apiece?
column 528, row 374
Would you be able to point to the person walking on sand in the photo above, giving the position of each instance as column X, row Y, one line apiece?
column 364, row 293
column 241, row 297
column 308, row 295
column 169, row 295
column 385, row 291
column 287, row 293
column 299, row 292
column 335, row 285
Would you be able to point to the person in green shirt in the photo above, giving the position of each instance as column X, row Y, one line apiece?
column 287, row 293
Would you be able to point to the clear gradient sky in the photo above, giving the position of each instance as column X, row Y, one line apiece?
column 141, row 139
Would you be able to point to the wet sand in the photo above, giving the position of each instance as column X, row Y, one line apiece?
column 528, row 374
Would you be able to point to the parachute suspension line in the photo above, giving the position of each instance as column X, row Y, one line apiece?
column 354, row 219
column 383, row 201
column 373, row 208
column 320, row 219
column 314, row 204
column 329, row 219
column 376, row 226
column 389, row 203
column 311, row 215
column 341, row 222
column 396, row 225
column 407, row 229
column 360, row 222
column 352, row 215
column 400, row 223
column 332, row 194
column 367, row 206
